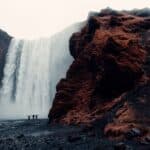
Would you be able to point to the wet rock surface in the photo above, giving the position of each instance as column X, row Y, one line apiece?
column 39, row 135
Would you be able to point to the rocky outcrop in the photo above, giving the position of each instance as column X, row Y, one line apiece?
column 4, row 44
column 108, row 82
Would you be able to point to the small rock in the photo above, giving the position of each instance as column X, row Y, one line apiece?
column 134, row 132
column 144, row 142
column 120, row 146
column 46, row 141
column 91, row 134
column 73, row 138
column 147, row 138
column 27, row 145
column 20, row 136
column 129, row 148
column 84, row 138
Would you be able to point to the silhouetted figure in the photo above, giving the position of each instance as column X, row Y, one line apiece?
column 29, row 117
column 36, row 117
column 33, row 117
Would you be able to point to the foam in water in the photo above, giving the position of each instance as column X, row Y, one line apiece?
column 32, row 70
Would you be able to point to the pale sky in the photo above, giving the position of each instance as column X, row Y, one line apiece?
column 39, row 18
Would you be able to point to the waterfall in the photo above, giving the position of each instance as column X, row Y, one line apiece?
column 32, row 70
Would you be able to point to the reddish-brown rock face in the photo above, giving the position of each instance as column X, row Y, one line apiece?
column 110, row 62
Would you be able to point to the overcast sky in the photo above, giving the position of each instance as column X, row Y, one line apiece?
column 36, row 18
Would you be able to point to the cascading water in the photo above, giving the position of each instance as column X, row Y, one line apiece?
column 32, row 70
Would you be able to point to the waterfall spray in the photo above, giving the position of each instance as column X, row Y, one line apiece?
column 32, row 70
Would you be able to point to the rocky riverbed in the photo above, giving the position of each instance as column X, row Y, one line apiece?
column 39, row 135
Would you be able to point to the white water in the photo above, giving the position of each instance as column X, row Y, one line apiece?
column 32, row 70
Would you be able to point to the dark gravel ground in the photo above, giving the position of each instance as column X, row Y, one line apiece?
column 39, row 135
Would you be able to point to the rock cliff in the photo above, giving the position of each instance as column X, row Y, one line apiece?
column 108, row 83
column 4, row 44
